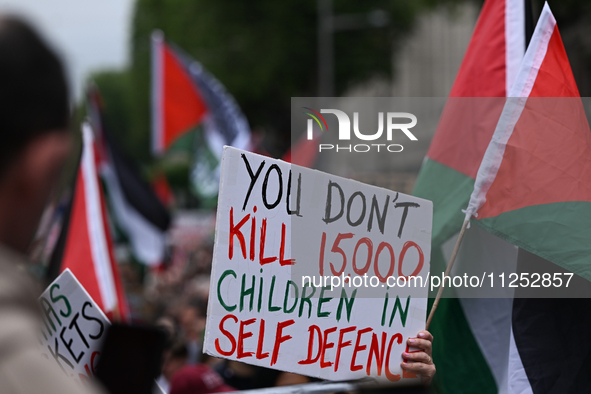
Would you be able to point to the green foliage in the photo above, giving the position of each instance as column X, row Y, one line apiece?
column 263, row 51
column 116, row 91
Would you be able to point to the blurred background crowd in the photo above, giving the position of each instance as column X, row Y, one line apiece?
column 264, row 52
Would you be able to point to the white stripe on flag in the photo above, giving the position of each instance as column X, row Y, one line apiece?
column 242, row 141
column 522, row 87
column 148, row 241
column 489, row 318
column 534, row 56
column 518, row 381
column 495, row 151
column 514, row 40
column 490, row 322
column 157, row 91
column 213, row 137
column 94, row 217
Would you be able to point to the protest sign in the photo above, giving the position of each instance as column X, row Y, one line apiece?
column 73, row 327
column 312, row 273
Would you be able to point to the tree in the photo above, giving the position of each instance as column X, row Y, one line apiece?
column 264, row 51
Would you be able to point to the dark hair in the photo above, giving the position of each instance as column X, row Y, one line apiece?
column 179, row 349
column 33, row 88
column 200, row 304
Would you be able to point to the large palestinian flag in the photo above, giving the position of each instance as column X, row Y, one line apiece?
column 85, row 245
column 532, row 189
column 471, row 349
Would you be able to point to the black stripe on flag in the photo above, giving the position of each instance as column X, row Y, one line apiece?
column 552, row 335
column 135, row 190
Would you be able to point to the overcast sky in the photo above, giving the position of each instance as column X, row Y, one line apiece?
column 90, row 35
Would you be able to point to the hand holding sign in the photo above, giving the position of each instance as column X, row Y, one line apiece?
column 420, row 361
column 315, row 274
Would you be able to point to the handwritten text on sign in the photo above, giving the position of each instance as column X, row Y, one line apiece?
column 312, row 272
column 73, row 327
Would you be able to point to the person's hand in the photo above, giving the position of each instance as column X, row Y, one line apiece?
column 420, row 362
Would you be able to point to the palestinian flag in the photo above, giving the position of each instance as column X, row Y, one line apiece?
column 85, row 245
column 136, row 211
column 303, row 152
column 471, row 349
column 184, row 96
column 532, row 189
column 532, row 186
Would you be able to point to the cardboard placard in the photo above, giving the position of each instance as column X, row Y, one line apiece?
column 285, row 235
column 73, row 327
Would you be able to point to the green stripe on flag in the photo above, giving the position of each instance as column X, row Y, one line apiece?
column 461, row 366
column 559, row 232
column 450, row 192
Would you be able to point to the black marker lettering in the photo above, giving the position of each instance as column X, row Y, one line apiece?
column 253, row 178
column 404, row 205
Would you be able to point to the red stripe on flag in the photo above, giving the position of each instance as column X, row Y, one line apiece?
column 548, row 150
column 303, row 153
column 465, row 130
column 555, row 78
column 485, row 56
column 77, row 253
column 468, row 121
column 182, row 106
column 88, row 251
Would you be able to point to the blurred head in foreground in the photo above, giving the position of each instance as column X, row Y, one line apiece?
column 34, row 141
column 34, row 144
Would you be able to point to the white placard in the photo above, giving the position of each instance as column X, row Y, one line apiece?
column 73, row 327
column 281, row 227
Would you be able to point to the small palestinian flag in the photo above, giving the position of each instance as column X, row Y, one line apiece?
column 136, row 211
column 184, row 96
column 85, row 245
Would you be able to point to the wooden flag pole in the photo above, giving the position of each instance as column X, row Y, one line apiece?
column 447, row 271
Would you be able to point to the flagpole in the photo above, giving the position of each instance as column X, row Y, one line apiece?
column 447, row 271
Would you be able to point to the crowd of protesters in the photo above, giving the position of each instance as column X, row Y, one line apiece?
column 34, row 146
column 174, row 297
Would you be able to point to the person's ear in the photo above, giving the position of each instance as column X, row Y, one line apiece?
column 40, row 164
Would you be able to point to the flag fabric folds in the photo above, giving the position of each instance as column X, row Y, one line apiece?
column 184, row 96
column 532, row 187
column 532, row 190
column 473, row 356
column 135, row 209
column 87, row 248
